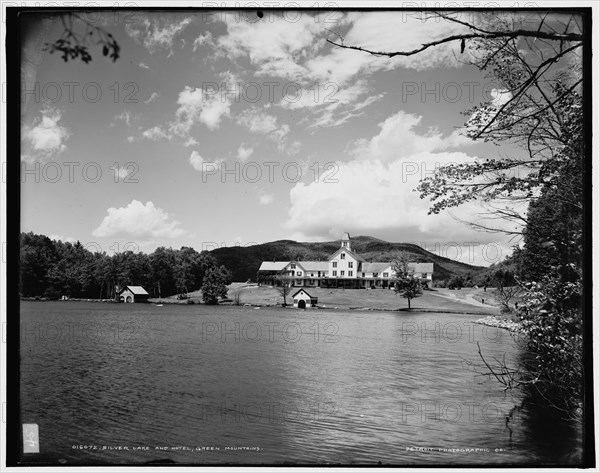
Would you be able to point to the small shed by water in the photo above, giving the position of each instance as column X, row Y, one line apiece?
column 133, row 294
column 303, row 299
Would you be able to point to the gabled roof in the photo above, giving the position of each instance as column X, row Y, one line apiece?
column 421, row 267
column 137, row 290
column 304, row 291
column 374, row 267
column 314, row 265
column 346, row 250
column 273, row 265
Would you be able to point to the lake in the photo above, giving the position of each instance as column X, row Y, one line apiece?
column 137, row 383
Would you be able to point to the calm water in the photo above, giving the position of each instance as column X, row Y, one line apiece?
column 110, row 383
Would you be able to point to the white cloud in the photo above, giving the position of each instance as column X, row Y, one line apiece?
column 157, row 33
column 155, row 133
column 46, row 138
column 144, row 66
column 297, row 51
column 191, row 141
column 203, row 39
column 198, row 105
column 139, row 221
column 265, row 198
column 373, row 193
column 131, row 139
column 124, row 116
column 122, row 172
column 62, row 238
column 276, row 47
column 200, row 164
column 261, row 122
column 152, row 97
column 244, row 153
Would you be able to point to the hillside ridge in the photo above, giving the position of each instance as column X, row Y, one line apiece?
column 244, row 261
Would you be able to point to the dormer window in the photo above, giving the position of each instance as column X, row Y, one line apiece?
column 343, row 256
column 293, row 266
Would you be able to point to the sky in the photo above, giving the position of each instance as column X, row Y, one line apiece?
column 220, row 129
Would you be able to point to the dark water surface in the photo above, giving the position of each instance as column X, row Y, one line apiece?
column 120, row 383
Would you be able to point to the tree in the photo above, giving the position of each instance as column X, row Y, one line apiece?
column 284, row 286
column 507, row 288
column 405, row 282
column 213, row 286
column 78, row 33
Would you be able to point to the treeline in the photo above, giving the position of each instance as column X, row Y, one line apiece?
column 51, row 269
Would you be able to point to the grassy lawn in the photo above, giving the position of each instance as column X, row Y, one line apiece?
column 466, row 300
column 436, row 300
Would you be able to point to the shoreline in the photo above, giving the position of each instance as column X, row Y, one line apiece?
column 263, row 305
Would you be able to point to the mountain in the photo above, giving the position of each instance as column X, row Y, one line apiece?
column 245, row 261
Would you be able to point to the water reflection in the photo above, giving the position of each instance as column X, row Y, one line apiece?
column 214, row 385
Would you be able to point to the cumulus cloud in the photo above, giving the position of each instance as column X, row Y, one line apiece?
column 46, row 137
column 244, row 153
column 203, row 105
column 374, row 192
column 200, row 164
column 144, row 66
column 139, row 221
column 157, row 33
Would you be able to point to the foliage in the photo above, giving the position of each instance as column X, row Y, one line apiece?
column 52, row 269
column 405, row 283
column 552, row 318
column 244, row 261
column 284, row 286
column 214, row 286
column 77, row 34
column 456, row 283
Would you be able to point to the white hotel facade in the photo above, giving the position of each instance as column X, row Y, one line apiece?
column 343, row 269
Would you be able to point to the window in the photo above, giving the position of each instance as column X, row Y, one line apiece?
column 312, row 275
column 343, row 256
column 349, row 273
column 344, row 243
column 349, row 264
column 385, row 275
column 341, row 273
column 363, row 275
column 298, row 273
column 293, row 266
column 334, row 273
column 375, row 275
column 335, row 264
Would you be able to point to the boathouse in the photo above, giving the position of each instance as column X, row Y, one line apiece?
column 303, row 299
column 132, row 294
